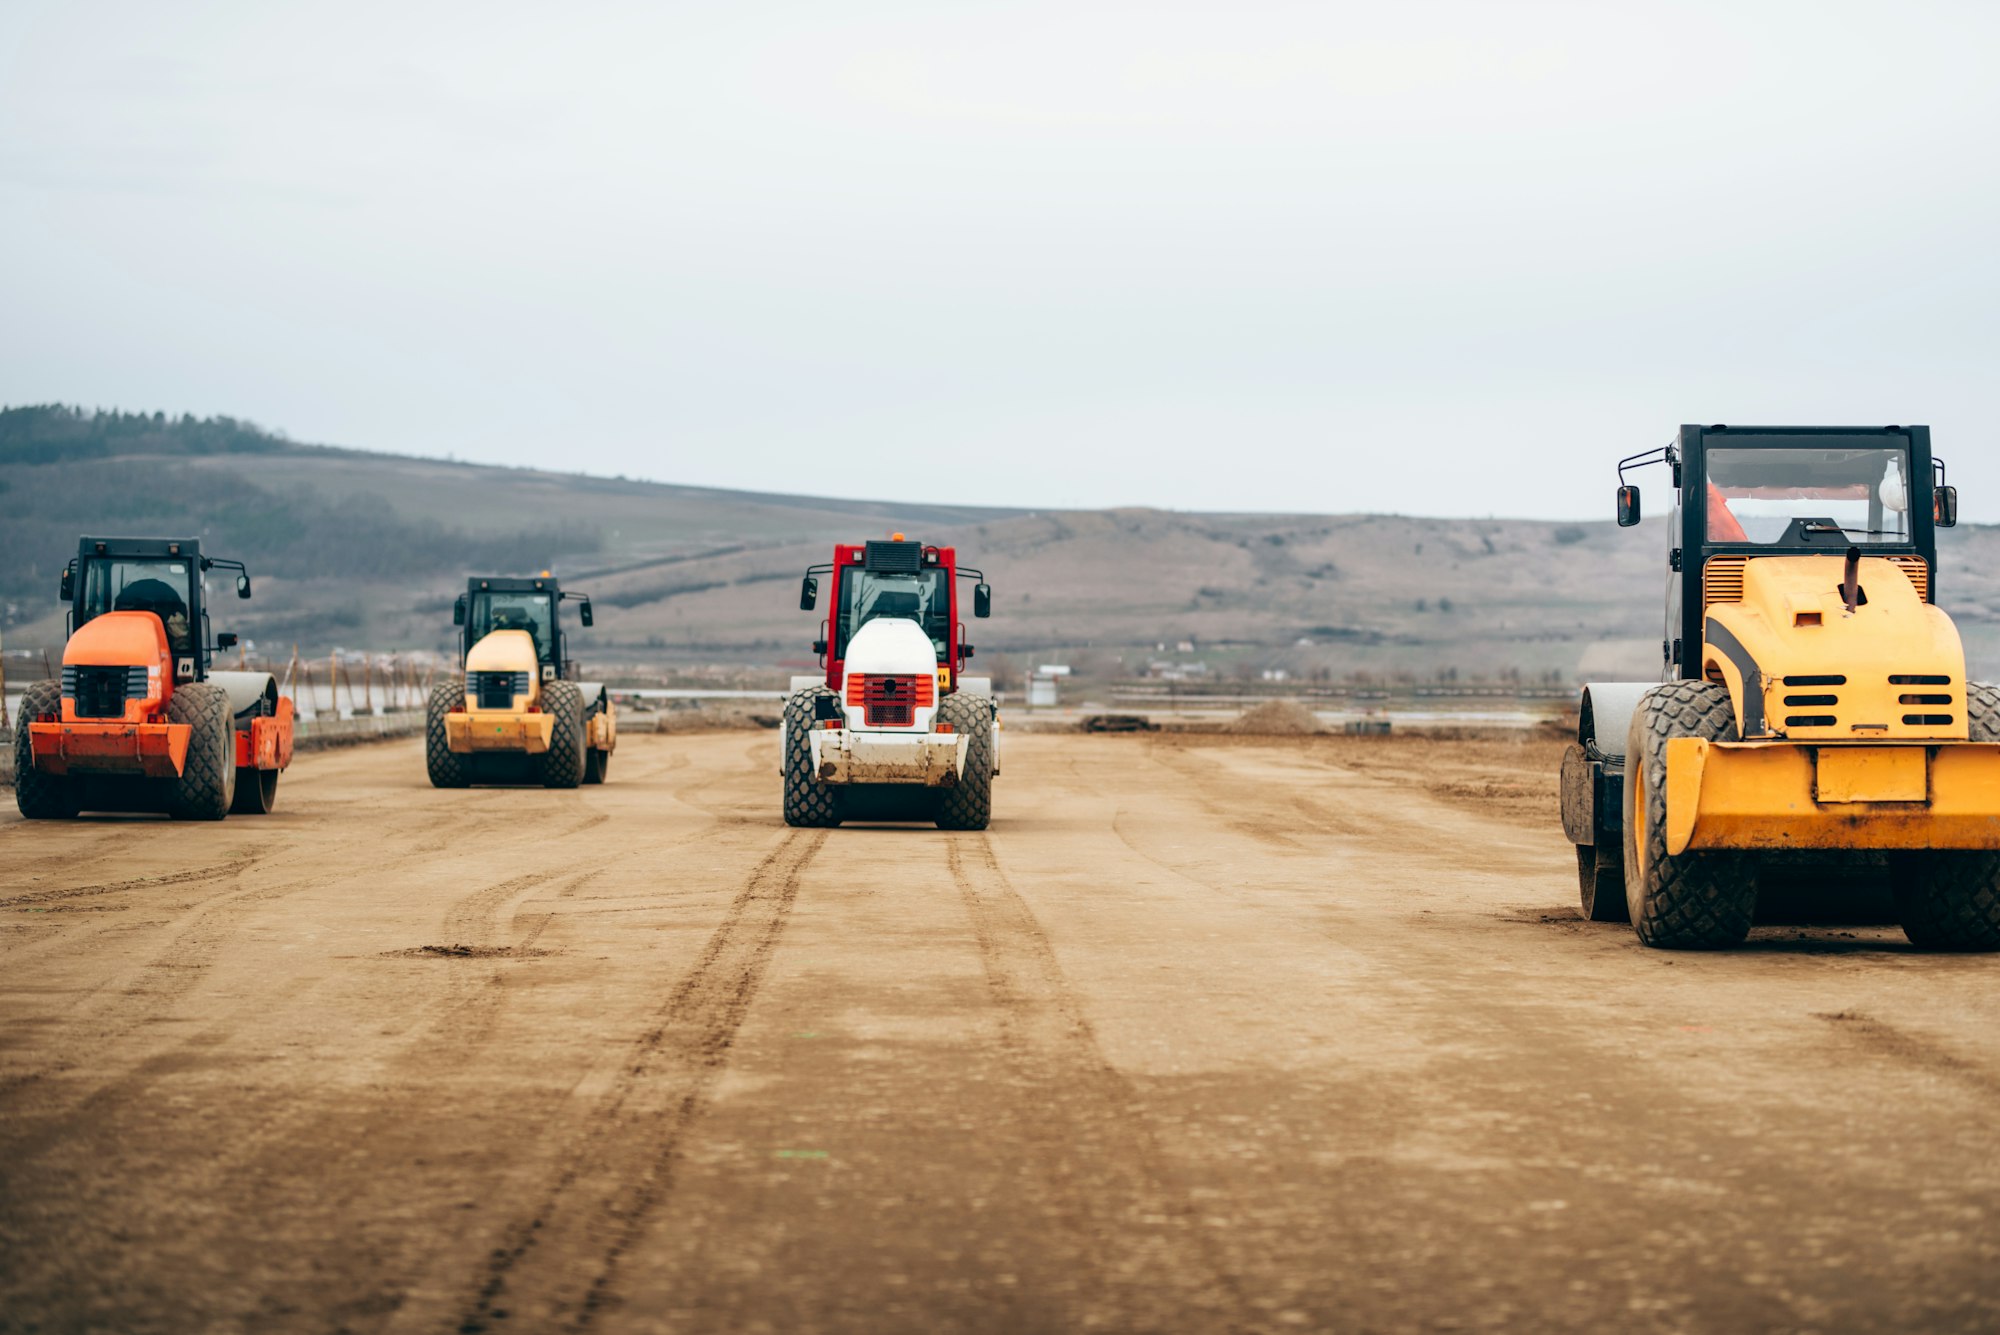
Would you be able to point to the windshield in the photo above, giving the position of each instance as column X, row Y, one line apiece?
column 160, row 587
column 500, row 609
column 922, row 597
column 1831, row 495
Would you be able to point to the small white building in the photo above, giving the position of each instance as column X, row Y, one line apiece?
column 1042, row 685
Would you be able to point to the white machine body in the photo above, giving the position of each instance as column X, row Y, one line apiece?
column 900, row 744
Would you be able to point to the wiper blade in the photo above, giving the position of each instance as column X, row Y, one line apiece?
column 1862, row 532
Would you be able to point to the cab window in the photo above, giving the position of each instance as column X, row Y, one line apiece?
column 160, row 587
column 501, row 609
column 923, row 597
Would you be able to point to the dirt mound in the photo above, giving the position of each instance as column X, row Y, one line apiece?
column 1117, row 723
column 716, row 718
column 464, row 952
column 1277, row 718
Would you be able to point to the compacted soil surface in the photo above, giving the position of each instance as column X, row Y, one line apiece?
column 1204, row 1034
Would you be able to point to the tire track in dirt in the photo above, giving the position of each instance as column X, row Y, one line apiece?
column 169, row 976
column 559, row 1267
column 123, row 1003
column 188, row 877
column 1882, row 1039
column 79, row 915
column 1098, row 1151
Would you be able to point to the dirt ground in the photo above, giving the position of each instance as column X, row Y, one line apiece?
column 1205, row 1034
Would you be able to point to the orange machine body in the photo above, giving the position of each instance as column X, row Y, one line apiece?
column 136, row 740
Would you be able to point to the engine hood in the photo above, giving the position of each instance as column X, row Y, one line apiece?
column 1798, row 664
column 505, row 651
column 118, row 639
column 891, row 646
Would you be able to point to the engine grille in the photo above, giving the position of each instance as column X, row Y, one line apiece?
column 101, row 692
column 1923, row 700
column 890, row 701
column 495, row 690
column 1722, row 578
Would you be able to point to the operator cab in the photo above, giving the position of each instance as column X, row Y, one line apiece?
column 922, row 595
column 1789, row 491
column 167, row 578
column 509, row 609
column 895, row 579
column 527, row 605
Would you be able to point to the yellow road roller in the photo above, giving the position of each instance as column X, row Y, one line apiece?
column 519, row 713
column 1814, row 717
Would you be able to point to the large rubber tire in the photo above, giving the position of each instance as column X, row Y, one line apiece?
column 809, row 803
column 563, row 762
column 447, row 767
column 968, row 805
column 207, row 785
column 39, row 794
column 596, row 765
column 1951, row 900
column 1698, row 900
column 1601, row 884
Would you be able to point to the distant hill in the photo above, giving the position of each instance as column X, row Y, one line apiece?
column 366, row 550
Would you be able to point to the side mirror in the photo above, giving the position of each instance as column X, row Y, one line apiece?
column 69, row 581
column 1944, row 507
column 242, row 586
column 585, row 615
column 982, row 600
column 1628, row 506
column 808, row 594
column 458, row 610
column 226, row 640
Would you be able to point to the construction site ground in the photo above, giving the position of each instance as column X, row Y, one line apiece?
column 1205, row 1033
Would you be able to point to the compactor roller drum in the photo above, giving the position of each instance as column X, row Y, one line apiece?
column 447, row 767
column 39, row 794
column 1600, row 874
column 808, row 802
column 1697, row 900
column 256, row 789
column 564, row 762
column 256, row 793
column 968, row 805
column 1951, row 900
column 206, row 788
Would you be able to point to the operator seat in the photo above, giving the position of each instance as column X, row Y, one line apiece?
column 1723, row 525
column 904, row 605
column 158, row 597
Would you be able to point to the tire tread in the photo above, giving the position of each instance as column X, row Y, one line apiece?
column 809, row 803
column 968, row 804
column 1697, row 900
column 1951, row 900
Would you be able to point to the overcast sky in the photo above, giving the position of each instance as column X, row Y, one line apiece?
column 1442, row 258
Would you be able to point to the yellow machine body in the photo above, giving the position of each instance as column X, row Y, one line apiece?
column 1853, row 724
column 520, row 725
